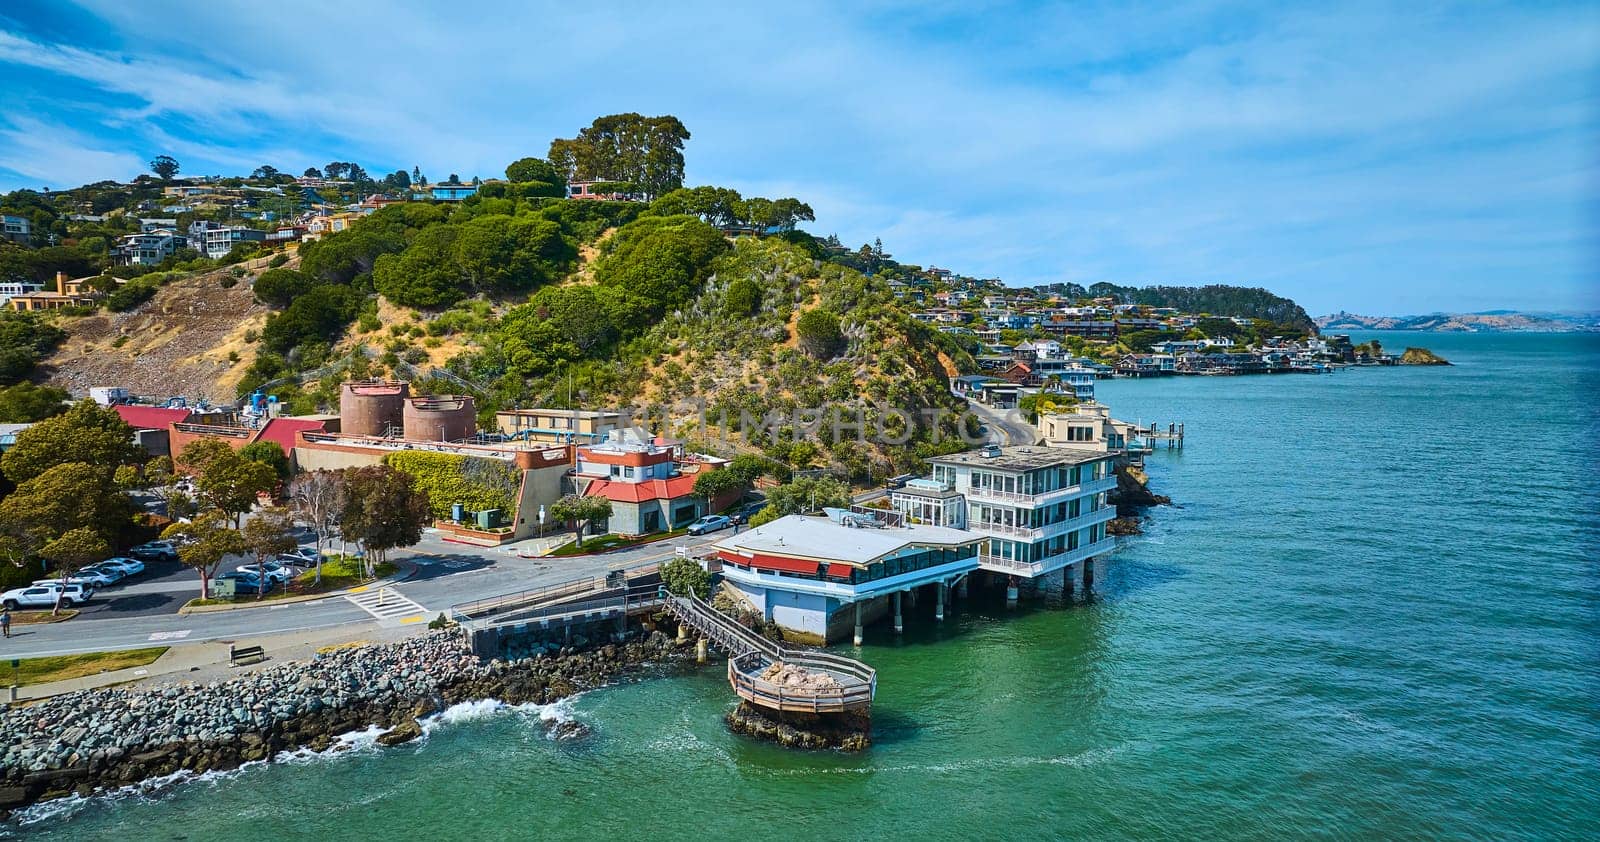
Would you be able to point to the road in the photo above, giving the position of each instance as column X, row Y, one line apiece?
column 1006, row 426
column 447, row 574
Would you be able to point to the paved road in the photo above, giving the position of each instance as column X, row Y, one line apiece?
column 1006, row 426
column 447, row 574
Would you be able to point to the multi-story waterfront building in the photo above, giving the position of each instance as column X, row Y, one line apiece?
column 1043, row 509
column 1025, row 518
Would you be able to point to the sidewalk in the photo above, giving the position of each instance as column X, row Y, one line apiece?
column 202, row 662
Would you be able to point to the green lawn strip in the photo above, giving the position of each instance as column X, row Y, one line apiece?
column 29, row 618
column 337, row 575
column 63, row 667
column 612, row 542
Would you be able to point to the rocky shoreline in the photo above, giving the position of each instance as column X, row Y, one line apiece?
column 100, row 740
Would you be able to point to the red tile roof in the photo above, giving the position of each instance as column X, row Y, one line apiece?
column 152, row 417
column 283, row 430
column 636, row 492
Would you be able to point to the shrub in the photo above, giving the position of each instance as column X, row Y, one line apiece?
column 819, row 334
column 683, row 576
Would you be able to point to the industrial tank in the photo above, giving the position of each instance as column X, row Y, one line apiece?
column 372, row 407
column 440, row 418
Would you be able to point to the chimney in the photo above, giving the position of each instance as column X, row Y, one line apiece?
column 61, row 283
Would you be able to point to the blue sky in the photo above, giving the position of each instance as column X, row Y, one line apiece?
column 1395, row 159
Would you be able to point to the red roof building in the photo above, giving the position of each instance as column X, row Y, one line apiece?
column 152, row 417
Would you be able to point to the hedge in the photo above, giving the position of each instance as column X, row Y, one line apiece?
column 449, row 478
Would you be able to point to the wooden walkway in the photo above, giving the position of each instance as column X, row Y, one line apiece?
column 750, row 656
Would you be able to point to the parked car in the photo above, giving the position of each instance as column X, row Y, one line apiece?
column 747, row 511
column 243, row 583
column 73, row 594
column 301, row 558
column 130, row 566
column 37, row 596
column 274, row 572
column 87, row 576
column 111, row 572
column 156, row 551
column 710, row 523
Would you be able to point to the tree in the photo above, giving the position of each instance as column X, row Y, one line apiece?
column 819, row 334
column 265, row 173
column 647, row 151
column 533, row 169
column 317, row 498
column 710, row 485
column 383, row 510
column 162, row 479
column 311, row 172
column 210, row 539
column 71, row 552
column 686, row 576
column 580, row 511
column 418, row 178
column 164, row 166
column 268, row 534
column 280, row 287
column 64, row 497
column 87, row 433
column 803, row 495
column 226, row 481
column 268, row 453
column 26, row 403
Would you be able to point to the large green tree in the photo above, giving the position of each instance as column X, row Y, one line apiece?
column 647, row 151
column 26, row 403
column 383, row 510
column 224, row 480
column 266, row 535
column 86, row 433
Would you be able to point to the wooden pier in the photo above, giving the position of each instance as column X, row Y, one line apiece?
column 1172, row 435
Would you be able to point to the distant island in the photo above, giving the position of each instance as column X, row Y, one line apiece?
column 1489, row 321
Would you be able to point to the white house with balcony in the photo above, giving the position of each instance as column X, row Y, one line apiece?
column 1042, row 509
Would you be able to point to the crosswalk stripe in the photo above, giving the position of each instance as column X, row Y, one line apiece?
column 384, row 604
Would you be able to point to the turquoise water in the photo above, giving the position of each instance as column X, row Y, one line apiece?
column 1376, row 614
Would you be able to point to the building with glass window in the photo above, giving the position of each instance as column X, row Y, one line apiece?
column 822, row 578
column 1042, row 510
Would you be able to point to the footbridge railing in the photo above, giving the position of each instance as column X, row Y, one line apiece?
column 750, row 654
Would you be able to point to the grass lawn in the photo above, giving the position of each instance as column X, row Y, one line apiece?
column 29, row 618
column 41, row 670
column 338, row 573
column 601, row 543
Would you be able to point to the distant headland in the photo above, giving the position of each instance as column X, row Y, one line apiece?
column 1489, row 321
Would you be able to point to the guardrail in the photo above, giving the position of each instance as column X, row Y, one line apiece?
column 490, row 606
column 750, row 653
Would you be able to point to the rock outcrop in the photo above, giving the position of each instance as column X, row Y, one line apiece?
column 846, row 732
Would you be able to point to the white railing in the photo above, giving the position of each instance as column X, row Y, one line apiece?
column 1049, row 530
column 1042, row 498
column 998, row 564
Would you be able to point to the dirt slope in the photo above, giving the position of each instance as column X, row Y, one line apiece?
column 177, row 343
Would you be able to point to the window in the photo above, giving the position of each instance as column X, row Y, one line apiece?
column 628, row 471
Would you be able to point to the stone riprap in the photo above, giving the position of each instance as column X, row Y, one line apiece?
column 94, row 740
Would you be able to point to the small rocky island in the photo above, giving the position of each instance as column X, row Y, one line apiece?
column 1421, row 356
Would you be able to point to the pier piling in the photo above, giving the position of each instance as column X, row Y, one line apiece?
column 899, row 622
column 858, row 637
column 700, row 651
column 938, row 608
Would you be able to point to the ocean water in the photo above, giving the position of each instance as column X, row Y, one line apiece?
column 1374, row 613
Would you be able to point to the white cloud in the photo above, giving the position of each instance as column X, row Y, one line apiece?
column 41, row 152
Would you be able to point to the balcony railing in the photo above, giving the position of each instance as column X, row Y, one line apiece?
column 999, row 564
column 1043, row 498
column 1049, row 530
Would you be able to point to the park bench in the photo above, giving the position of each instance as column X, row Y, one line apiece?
column 239, row 656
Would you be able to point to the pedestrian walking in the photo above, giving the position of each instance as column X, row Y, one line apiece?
column 5, row 621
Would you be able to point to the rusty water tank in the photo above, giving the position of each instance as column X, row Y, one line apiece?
column 440, row 418
column 372, row 407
